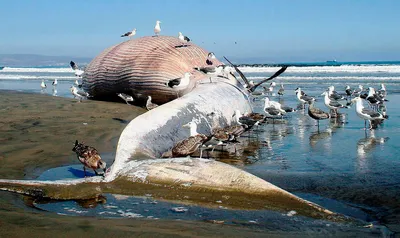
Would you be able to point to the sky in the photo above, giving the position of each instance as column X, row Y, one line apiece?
column 265, row 31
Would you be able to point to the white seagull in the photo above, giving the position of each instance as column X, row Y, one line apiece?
column 129, row 34
column 43, row 85
column 183, row 39
column 55, row 82
column 180, row 83
column 127, row 98
column 302, row 97
column 366, row 114
column 332, row 104
column 78, row 72
column 78, row 93
column 157, row 28
column 268, row 103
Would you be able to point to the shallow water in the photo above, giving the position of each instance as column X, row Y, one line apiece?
column 341, row 167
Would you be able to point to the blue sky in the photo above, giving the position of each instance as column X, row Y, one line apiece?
column 265, row 31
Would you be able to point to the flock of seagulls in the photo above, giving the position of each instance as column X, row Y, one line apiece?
column 375, row 114
column 75, row 89
column 333, row 100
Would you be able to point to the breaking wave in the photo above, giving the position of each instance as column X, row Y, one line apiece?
column 327, row 69
column 36, row 70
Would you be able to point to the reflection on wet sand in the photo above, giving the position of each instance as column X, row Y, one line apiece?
column 365, row 146
column 319, row 135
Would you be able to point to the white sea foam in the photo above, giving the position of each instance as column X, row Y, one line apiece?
column 327, row 69
column 346, row 78
column 19, row 76
column 38, row 70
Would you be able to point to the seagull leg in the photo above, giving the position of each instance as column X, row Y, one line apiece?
column 201, row 152
column 84, row 171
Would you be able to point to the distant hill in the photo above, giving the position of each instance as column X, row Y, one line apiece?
column 30, row 60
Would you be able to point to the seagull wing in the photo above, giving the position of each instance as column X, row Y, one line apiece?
column 239, row 72
column 306, row 98
column 279, row 72
column 73, row 65
column 335, row 104
column 371, row 113
column 186, row 38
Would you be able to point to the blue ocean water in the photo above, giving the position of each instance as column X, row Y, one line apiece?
column 304, row 75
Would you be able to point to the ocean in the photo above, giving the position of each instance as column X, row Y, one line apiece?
column 304, row 75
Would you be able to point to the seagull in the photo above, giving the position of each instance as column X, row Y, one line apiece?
column 78, row 72
column 149, row 104
column 157, row 28
column 55, row 83
column 382, row 92
column 89, row 157
column 77, row 83
column 316, row 113
column 183, row 39
column 348, row 91
column 130, row 33
column 78, row 93
column 127, row 98
column 190, row 145
column 374, row 99
column 302, row 97
column 270, row 89
column 366, row 114
column 357, row 92
column 248, row 122
column 210, row 57
column 43, row 85
column 332, row 104
column 180, row 83
column 268, row 103
column 333, row 94
column 281, row 90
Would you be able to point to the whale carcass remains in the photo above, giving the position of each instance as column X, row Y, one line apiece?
column 137, row 167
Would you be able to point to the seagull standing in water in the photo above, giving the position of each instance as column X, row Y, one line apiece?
column 281, row 91
column 332, row 104
column 302, row 97
column 316, row 113
column 43, row 85
column 366, row 114
column 183, row 39
column 55, row 83
column 129, row 34
column 157, row 28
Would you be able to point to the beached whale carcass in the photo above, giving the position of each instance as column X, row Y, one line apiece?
column 154, row 132
column 141, row 67
column 211, row 101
